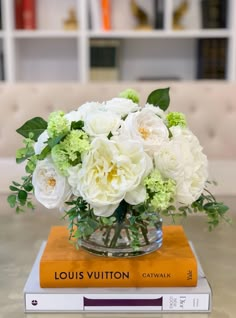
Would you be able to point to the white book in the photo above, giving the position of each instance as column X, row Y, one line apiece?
column 95, row 15
column 165, row 299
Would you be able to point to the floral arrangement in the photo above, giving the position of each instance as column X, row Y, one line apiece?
column 107, row 160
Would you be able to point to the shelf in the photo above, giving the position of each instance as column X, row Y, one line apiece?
column 222, row 33
column 51, row 59
column 45, row 34
column 51, row 53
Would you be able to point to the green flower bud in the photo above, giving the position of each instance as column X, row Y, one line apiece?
column 131, row 94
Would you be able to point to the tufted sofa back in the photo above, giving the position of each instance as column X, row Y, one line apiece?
column 210, row 108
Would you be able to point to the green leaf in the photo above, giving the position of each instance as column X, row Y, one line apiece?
column 30, row 205
column 28, row 187
column 44, row 153
column 12, row 188
column 160, row 97
column 110, row 135
column 36, row 125
column 77, row 124
column 16, row 183
column 11, row 199
column 54, row 141
column 23, row 155
column 22, row 196
column 121, row 211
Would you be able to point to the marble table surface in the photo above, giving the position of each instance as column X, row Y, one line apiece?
column 22, row 235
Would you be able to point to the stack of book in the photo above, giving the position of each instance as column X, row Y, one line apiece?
column 212, row 58
column 170, row 279
column 104, row 60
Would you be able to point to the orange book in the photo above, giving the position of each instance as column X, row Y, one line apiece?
column 173, row 265
column 106, row 20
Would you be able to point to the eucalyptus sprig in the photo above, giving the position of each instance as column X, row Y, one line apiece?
column 21, row 194
column 207, row 204
column 20, row 197
column 82, row 221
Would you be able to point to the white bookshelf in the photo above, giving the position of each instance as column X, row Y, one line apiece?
column 52, row 54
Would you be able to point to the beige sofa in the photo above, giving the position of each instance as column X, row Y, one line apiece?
column 210, row 108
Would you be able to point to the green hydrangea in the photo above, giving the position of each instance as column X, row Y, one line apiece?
column 176, row 119
column 60, row 158
column 57, row 124
column 68, row 152
column 160, row 191
column 130, row 94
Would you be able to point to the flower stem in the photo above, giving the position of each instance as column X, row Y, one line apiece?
column 144, row 232
column 118, row 229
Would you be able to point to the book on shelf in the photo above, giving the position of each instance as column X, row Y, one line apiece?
column 95, row 15
column 174, row 264
column 158, row 14
column 214, row 14
column 18, row 9
column 106, row 15
column 165, row 299
column 212, row 58
column 25, row 14
column 0, row 15
column 2, row 73
column 104, row 60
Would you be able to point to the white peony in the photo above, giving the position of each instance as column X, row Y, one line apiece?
column 121, row 106
column 40, row 143
column 147, row 128
column 182, row 159
column 50, row 188
column 100, row 123
column 110, row 172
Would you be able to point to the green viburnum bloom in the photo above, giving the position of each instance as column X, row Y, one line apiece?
column 176, row 119
column 57, row 124
column 68, row 152
column 160, row 191
column 130, row 94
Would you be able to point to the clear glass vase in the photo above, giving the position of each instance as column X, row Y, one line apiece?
column 122, row 239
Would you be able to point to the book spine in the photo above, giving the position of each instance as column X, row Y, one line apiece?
column 53, row 302
column 106, row 20
column 211, row 14
column 18, row 8
column 95, row 15
column 119, row 274
column 212, row 54
column 158, row 14
column 29, row 15
column 2, row 73
column 104, row 60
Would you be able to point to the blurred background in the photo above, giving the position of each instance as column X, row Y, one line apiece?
column 125, row 40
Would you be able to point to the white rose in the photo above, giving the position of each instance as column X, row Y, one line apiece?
column 40, row 143
column 182, row 159
column 157, row 110
column 89, row 107
column 73, row 179
column 121, row 106
column 100, row 123
column 145, row 127
column 110, row 171
column 50, row 188
column 74, row 115
column 169, row 160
